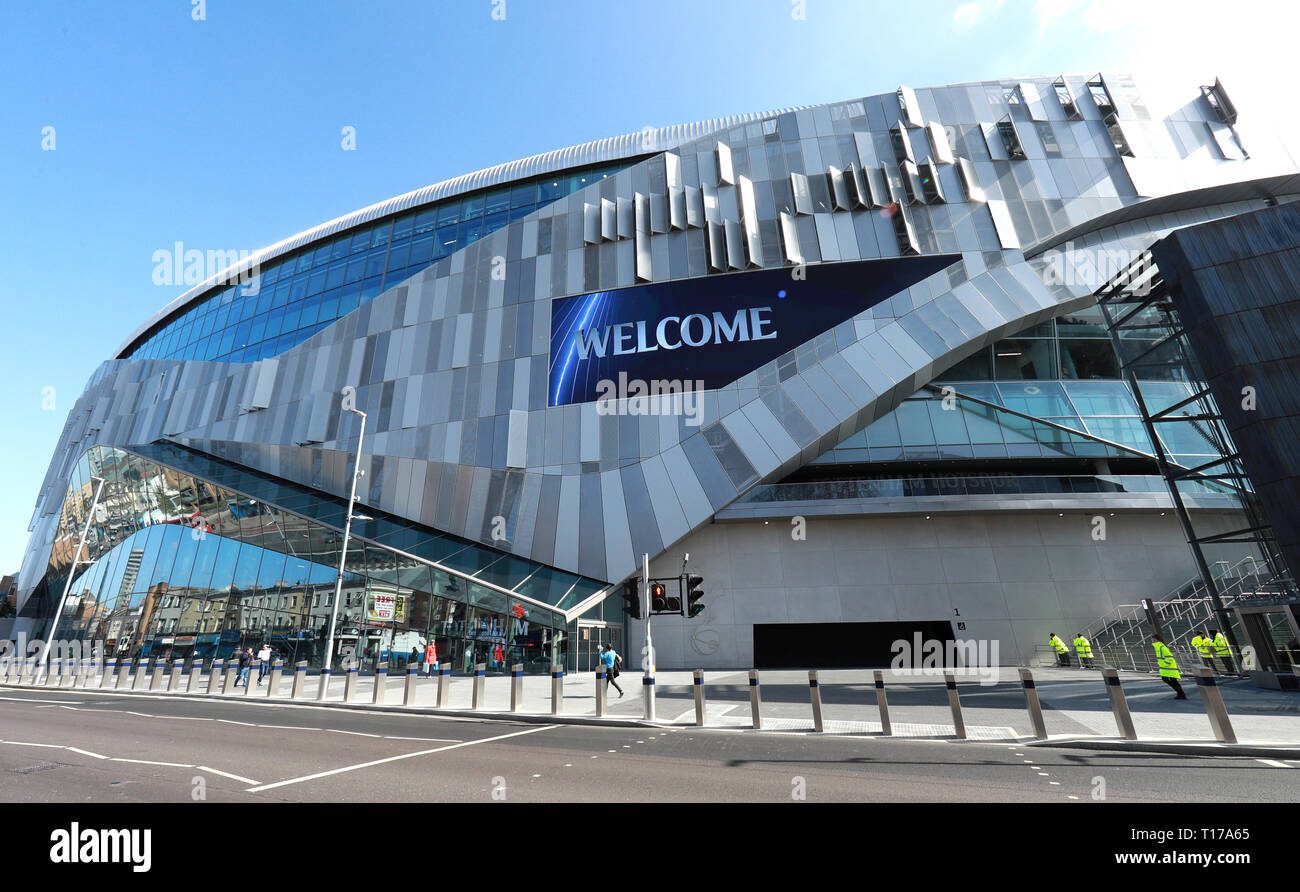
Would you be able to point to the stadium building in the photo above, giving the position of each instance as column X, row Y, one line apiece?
column 855, row 359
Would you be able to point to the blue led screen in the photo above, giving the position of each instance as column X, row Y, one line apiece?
column 712, row 330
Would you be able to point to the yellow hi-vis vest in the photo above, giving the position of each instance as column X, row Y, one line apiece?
column 1082, row 647
column 1204, row 645
column 1221, row 648
column 1165, row 659
column 1058, row 644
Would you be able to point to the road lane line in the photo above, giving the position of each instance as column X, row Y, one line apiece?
column 33, row 700
column 425, row 739
column 233, row 722
column 51, row 746
column 147, row 762
column 357, row 733
column 441, row 749
column 1274, row 762
column 242, row 780
column 73, row 749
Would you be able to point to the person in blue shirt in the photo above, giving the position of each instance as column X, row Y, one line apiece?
column 611, row 661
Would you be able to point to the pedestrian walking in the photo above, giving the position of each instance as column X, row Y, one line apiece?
column 417, row 657
column 1062, row 652
column 431, row 658
column 264, row 656
column 1169, row 673
column 1223, row 651
column 245, row 659
column 612, row 662
column 1084, row 651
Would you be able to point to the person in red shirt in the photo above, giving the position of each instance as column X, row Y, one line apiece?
column 431, row 658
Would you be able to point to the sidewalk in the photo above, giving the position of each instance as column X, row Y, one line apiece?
column 1076, row 706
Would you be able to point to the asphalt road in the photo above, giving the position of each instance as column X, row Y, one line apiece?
column 83, row 746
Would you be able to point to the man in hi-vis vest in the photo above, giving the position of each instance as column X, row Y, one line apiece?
column 1062, row 652
column 1223, row 651
column 1084, row 650
column 1169, row 673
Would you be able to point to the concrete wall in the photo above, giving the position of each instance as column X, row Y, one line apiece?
column 1014, row 577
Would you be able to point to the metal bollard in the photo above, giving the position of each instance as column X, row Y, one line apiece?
column 159, row 670
column 323, row 689
column 600, row 692
column 216, row 675
column 516, row 686
column 195, row 676
column 232, row 676
column 754, row 702
column 954, row 702
column 174, row 674
column 110, row 668
column 253, row 667
column 883, row 703
column 1032, row 704
column 648, row 694
column 412, row 674
column 557, row 691
column 444, row 678
column 381, row 684
column 299, row 680
column 52, row 672
column 141, row 680
column 349, row 684
column 1118, row 704
column 273, row 681
column 480, row 681
column 1214, row 707
column 89, row 674
column 122, row 675
column 815, row 693
column 699, row 697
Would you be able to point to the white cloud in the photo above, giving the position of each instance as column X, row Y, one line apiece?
column 966, row 14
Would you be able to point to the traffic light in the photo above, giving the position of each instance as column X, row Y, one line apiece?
column 632, row 599
column 658, row 603
column 693, row 595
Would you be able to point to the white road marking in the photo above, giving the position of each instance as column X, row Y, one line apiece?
column 233, row 722
column 1274, row 762
column 31, row 700
column 1055, row 783
column 441, row 749
column 51, row 746
column 242, row 780
column 357, row 733
column 425, row 739
column 147, row 762
column 73, row 749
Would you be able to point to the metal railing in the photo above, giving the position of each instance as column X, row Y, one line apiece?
column 972, row 485
column 1124, row 634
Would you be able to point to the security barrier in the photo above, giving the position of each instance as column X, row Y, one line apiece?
column 697, row 682
column 1032, row 704
column 954, row 703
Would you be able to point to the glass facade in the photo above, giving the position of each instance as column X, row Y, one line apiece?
column 297, row 295
column 182, row 566
column 1063, row 370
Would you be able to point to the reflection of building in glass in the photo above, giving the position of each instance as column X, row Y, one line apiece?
column 947, row 442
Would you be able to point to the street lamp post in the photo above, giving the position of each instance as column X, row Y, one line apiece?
column 72, row 571
column 343, row 556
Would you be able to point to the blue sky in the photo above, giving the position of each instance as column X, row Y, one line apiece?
column 225, row 133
